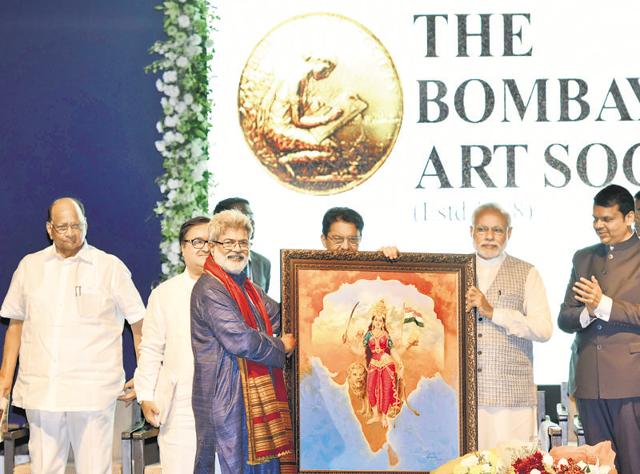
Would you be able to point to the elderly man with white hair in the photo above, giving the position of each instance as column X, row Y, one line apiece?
column 239, row 397
column 511, row 308
column 67, row 304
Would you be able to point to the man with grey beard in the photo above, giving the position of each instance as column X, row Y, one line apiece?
column 239, row 397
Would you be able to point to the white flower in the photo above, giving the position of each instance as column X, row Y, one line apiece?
column 199, row 170
column 172, row 195
column 181, row 107
column 163, row 188
column 192, row 51
column 174, row 183
column 173, row 101
column 547, row 459
column 159, row 85
column 165, row 268
column 170, row 76
column 175, row 247
column 164, row 102
column 535, row 471
column 169, row 137
column 183, row 21
column 195, row 40
column 179, row 137
column 563, row 462
column 173, row 258
column 172, row 91
column 160, row 146
column 196, row 148
column 159, row 127
column 171, row 121
column 469, row 461
column 197, row 108
column 182, row 62
column 188, row 99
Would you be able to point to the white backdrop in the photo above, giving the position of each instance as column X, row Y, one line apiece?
column 550, row 203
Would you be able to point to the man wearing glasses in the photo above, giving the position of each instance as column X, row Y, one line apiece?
column 259, row 266
column 342, row 231
column 67, row 305
column 511, row 308
column 164, row 375
column 239, row 396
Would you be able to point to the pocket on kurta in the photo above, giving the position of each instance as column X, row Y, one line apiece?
column 91, row 305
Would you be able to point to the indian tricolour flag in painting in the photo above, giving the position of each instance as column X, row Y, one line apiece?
column 413, row 316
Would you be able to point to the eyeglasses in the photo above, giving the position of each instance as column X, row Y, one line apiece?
column 230, row 244
column 339, row 240
column 197, row 244
column 495, row 230
column 63, row 228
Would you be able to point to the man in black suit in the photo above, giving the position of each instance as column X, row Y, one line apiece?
column 259, row 266
column 602, row 307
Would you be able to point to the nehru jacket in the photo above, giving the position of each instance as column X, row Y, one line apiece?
column 605, row 358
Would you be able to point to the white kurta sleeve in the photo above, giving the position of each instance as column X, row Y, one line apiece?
column 126, row 295
column 14, row 306
column 535, row 324
column 152, row 347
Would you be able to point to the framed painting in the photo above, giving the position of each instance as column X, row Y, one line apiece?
column 384, row 375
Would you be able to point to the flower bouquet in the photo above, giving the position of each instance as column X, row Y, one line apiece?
column 526, row 458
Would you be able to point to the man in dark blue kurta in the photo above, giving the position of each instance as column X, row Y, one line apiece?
column 223, row 341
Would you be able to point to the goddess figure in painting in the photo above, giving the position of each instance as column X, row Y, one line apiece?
column 384, row 367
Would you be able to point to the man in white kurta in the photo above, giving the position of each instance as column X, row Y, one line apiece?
column 67, row 305
column 164, row 375
column 510, row 304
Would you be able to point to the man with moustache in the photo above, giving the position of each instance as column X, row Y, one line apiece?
column 67, row 305
column 259, row 266
column 164, row 375
column 602, row 307
column 239, row 397
column 510, row 304
column 342, row 232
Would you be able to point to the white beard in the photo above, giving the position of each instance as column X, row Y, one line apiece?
column 232, row 266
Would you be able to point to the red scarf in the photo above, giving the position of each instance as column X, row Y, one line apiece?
column 265, row 397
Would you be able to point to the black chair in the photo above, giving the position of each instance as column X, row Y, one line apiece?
column 563, row 409
column 145, row 449
column 15, row 442
column 578, row 430
column 139, row 445
column 550, row 434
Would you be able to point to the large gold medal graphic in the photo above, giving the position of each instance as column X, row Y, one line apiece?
column 320, row 103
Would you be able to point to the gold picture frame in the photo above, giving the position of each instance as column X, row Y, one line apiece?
column 384, row 375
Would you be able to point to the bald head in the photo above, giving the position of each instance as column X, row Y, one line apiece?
column 67, row 226
column 63, row 200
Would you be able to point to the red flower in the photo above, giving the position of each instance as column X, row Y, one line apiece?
column 526, row 465
column 571, row 468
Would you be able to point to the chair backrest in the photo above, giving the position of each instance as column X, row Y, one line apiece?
column 552, row 396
